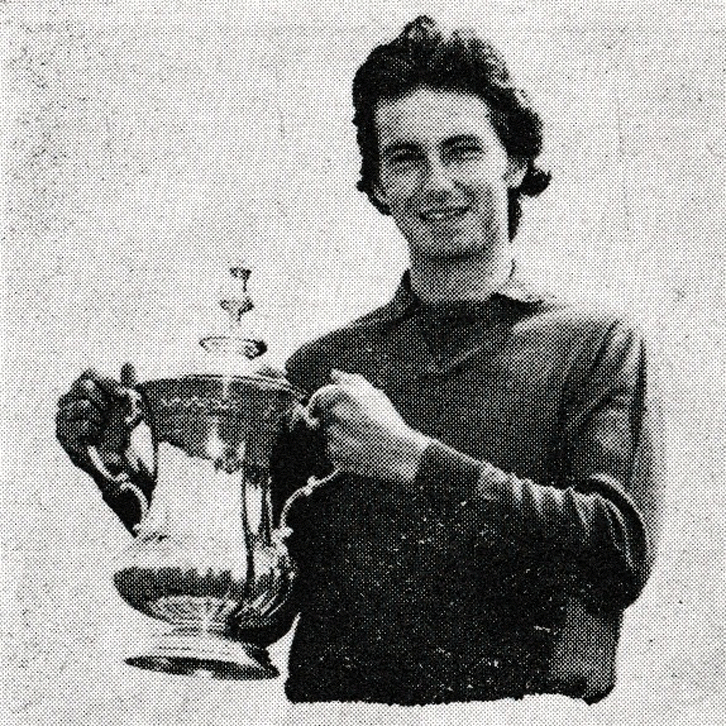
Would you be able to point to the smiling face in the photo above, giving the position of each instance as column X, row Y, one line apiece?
column 444, row 173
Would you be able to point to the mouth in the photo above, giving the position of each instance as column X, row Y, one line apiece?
column 443, row 214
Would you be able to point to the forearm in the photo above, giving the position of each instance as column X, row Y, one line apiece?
column 591, row 525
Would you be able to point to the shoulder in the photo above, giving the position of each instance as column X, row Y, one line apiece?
column 309, row 367
column 594, row 342
column 555, row 309
column 575, row 334
column 582, row 324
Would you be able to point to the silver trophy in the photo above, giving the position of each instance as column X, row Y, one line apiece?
column 207, row 557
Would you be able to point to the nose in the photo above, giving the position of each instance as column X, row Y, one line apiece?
column 436, row 177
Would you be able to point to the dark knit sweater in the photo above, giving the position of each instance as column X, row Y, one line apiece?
column 530, row 526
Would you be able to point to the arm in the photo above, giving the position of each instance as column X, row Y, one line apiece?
column 602, row 517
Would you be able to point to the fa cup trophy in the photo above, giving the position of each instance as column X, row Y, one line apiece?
column 207, row 556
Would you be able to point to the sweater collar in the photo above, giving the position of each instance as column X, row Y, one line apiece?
column 405, row 302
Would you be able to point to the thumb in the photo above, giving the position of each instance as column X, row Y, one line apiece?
column 128, row 375
column 351, row 379
column 269, row 371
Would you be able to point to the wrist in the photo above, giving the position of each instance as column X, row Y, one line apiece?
column 413, row 446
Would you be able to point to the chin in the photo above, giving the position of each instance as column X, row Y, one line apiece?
column 447, row 249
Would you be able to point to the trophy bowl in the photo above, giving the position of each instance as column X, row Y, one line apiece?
column 207, row 557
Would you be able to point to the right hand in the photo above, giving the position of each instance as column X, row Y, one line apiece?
column 94, row 413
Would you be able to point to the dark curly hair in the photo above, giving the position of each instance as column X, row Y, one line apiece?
column 423, row 56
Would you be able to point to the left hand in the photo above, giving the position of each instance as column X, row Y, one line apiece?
column 365, row 435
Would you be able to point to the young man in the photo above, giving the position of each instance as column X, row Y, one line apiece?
column 498, row 500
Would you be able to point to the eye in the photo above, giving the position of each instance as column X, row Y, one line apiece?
column 403, row 157
column 465, row 152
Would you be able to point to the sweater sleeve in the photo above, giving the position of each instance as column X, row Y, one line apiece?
column 603, row 517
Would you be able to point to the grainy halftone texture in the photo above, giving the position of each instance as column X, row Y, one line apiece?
column 149, row 142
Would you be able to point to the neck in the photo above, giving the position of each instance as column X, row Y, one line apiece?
column 443, row 280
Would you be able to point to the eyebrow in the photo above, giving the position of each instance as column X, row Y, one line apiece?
column 463, row 139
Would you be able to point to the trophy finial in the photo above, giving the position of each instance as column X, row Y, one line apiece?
column 236, row 301
column 241, row 272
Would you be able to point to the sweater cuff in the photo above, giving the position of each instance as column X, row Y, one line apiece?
column 444, row 472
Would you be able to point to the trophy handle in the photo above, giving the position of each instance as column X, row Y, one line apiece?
column 122, row 480
column 314, row 483
column 100, row 466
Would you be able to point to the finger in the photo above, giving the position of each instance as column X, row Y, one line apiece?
column 340, row 449
column 301, row 415
column 344, row 378
column 128, row 375
column 102, row 390
column 111, row 387
column 304, row 413
column 76, row 435
column 115, row 389
column 81, row 410
column 265, row 369
column 324, row 398
column 96, row 398
column 85, row 388
column 334, row 454
column 65, row 423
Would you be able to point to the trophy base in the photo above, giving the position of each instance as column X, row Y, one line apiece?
column 205, row 655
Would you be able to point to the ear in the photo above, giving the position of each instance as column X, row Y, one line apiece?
column 516, row 171
column 380, row 194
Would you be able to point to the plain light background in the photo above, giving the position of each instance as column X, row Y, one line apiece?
column 146, row 144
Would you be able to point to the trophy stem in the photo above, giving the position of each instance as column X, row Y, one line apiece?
column 203, row 654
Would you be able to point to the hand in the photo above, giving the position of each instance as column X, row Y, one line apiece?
column 364, row 433
column 263, row 368
column 94, row 413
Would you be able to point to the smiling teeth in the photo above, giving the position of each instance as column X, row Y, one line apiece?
column 441, row 214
